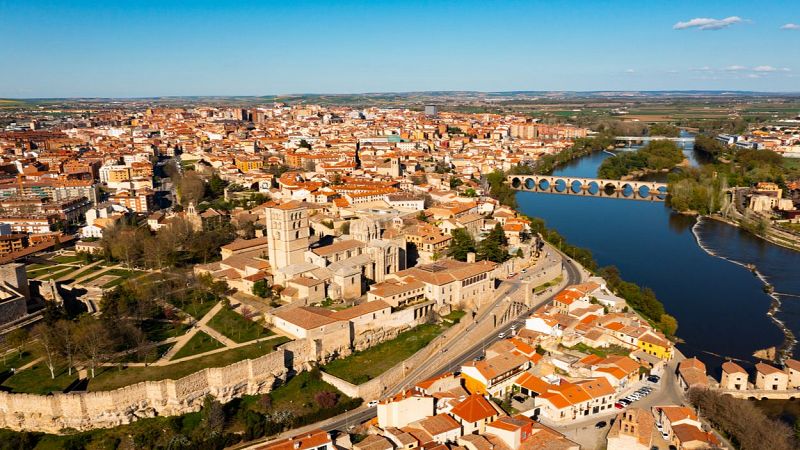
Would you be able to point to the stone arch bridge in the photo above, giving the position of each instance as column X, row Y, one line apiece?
column 590, row 187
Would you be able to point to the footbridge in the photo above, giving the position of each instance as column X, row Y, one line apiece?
column 590, row 187
column 643, row 139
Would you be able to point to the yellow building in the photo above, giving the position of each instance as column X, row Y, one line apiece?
column 655, row 345
column 246, row 164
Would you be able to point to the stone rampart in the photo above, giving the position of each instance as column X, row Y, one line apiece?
column 88, row 410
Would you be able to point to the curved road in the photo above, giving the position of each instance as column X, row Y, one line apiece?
column 444, row 361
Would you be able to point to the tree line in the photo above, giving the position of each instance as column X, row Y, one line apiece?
column 746, row 426
column 642, row 300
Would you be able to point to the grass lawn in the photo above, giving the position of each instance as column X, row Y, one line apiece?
column 49, row 270
column 237, row 328
column 454, row 316
column 112, row 378
column 37, row 380
column 363, row 366
column 298, row 394
column 87, row 271
column 194, row 304
column 15, row 360
column 149, row 358
column 199, row 343
column 158, row 331
column 66, row 259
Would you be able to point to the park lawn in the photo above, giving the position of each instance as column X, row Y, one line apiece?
column 235, row 327
column 192, row 304
column 37, row 380
column 49, row 270
column 365, row 365
column 199, row 343
column 158, row 351
column 66, row 259
column 16, row 360
column 112, row 377
column 158, row 331
column 87, row 271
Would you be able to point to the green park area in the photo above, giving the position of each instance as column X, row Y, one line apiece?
column 199, row 343
column 365, row 365
column 119, row 376
column 237, row 328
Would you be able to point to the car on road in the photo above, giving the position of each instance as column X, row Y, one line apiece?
column 501, row 336
column 618, row 405
column 601, row 424
column 372, row 404
column 654, row 379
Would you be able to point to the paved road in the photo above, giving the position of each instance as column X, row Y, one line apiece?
column 667, row 393
column 447, row 360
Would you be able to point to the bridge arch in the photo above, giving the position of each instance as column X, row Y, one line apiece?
column 631, row 190
column 530, row 184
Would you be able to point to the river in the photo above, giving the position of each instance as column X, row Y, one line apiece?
column 697, row 269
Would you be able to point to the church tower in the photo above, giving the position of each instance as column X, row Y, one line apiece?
column 287, row 233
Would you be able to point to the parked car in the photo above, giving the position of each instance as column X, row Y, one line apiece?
column 654, row 378
column 519, row 398
column 372, row 404
column 501, row 336
column 601, row 424
column 619, row 405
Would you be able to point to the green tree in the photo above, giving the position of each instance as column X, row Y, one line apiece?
column 261, row 289
column 461, row 244
column 494, row 246
column 668, row 324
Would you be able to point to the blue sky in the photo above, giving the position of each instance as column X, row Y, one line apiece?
column 151, row 48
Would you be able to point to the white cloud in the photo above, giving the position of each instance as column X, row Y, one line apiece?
column 701, row 69
column 753, row 75
column 791, row 26
column 735, row 68
column 630, row 71
column 765, row 69
column 703, row 23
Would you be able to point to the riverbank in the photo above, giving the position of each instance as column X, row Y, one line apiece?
column 771, row 235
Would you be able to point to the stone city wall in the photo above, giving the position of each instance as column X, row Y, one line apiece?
column 89, row 410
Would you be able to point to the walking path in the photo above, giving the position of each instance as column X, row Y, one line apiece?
column 81, row 269
column 199, row 325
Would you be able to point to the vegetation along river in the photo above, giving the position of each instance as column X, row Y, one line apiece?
column 698, row 269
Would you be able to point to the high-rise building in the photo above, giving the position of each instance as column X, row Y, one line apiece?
column 287, row 233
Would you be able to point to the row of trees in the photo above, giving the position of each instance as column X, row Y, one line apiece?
column 746, row 426
column 643, row 300
column 175, row 245
column 657, row 155
column 581, row 147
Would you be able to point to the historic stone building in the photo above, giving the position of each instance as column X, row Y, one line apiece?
column 287, row 233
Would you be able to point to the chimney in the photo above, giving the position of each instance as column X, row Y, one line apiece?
column 471, row 257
